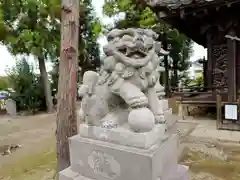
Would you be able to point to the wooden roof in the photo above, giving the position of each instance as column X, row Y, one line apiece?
column 194, row 17
column 174, row 4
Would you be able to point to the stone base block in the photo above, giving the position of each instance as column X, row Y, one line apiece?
column 180, row 174
column 68, row 174
column 100, row 160
column 124, row 136
column 170, row 118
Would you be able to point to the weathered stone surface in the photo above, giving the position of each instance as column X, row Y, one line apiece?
column 180, row 174
column 127, row 129
column 128, row 80
column 11, row 107
column 101, row 160
column 171, row 119
column 68, row 174
column 165, row 104
column 124, row 136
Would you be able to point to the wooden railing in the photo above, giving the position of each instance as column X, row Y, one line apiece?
column 217, row 98
column 192, row 95
column 197, row 88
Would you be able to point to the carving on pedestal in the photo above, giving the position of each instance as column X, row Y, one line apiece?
column 128, row 81
column 221, row 65
column 104, row 164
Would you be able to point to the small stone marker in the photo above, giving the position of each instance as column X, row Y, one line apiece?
column 11, row 107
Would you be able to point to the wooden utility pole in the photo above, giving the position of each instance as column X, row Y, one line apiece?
column 67, row 90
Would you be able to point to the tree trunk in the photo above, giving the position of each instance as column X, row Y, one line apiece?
column 46, row 84
column 166, row 66
column 175, row 73
column 66, row 111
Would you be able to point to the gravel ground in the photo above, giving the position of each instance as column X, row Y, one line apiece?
column 208, row 159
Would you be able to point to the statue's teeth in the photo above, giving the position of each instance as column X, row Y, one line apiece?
column 128, row 52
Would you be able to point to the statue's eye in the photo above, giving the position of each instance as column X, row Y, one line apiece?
column 110, row 38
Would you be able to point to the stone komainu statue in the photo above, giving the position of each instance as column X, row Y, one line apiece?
column 123, row 93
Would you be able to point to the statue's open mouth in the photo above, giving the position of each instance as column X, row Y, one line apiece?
column 133, row 53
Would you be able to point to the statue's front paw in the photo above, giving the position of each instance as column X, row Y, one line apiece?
column 113, row 78
column 140, row 101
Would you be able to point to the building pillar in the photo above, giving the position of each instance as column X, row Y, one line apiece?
column 232, row 87
column 205, row 78
column 209, row 61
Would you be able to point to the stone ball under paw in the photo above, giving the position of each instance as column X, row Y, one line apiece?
column 141, row 120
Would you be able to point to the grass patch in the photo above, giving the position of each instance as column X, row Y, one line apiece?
column 233, row 152
column 192, row 156
column 223, row 169
column 200, row 162
column 31, row 167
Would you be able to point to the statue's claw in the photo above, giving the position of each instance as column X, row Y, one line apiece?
column 159, row 119
column 109, row 124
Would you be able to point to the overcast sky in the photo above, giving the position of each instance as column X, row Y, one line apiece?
column 7, row 60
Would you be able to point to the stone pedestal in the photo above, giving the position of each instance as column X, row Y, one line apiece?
column 100, row 154
column 127, row 97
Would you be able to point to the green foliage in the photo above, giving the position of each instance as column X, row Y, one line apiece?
column 180, row 52
column 136, row 16
column 184, row 78
column 198, row 81
column 90, row 29
column 27, row 86
column 33, row 27
column 4, row 84
column 89, row 52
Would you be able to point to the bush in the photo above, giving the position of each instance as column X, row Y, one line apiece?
column 28, row 92
column 198, row 81
column 4, row 84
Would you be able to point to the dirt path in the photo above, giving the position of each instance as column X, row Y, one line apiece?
column 208, row 159
column 32, row 132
